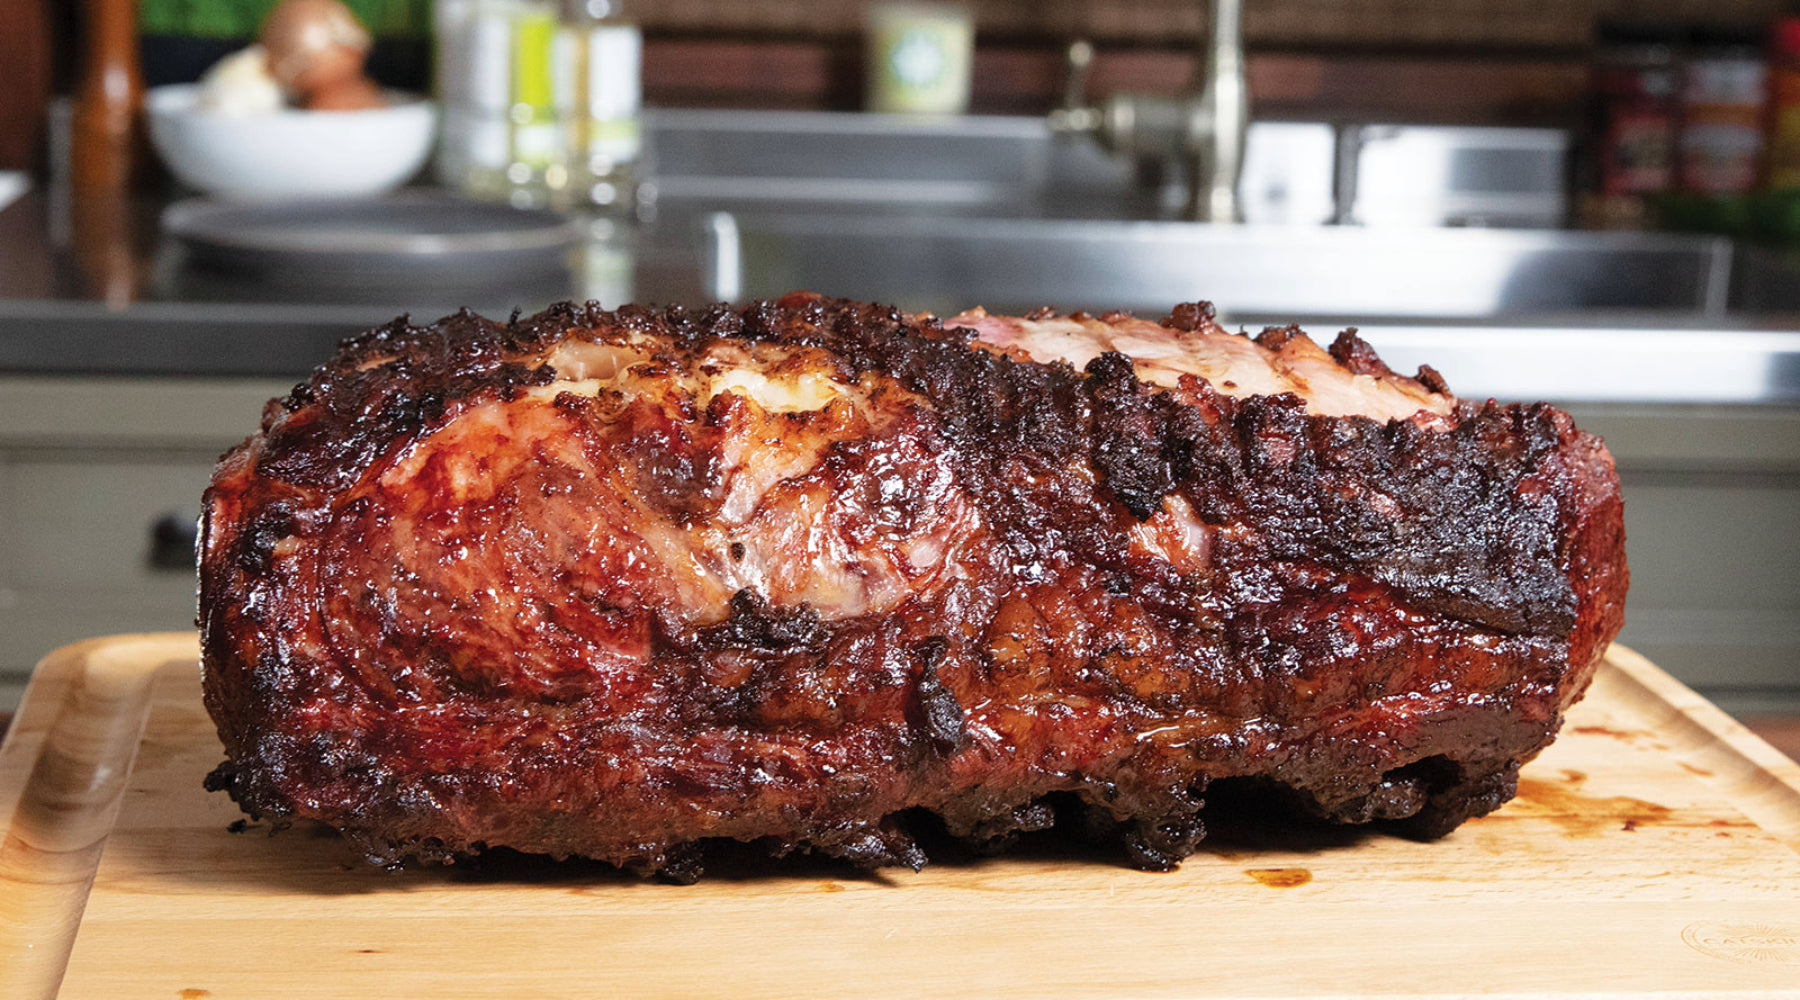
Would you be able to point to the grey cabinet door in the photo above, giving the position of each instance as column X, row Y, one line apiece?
column 88, row 469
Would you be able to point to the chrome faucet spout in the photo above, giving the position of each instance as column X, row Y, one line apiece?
column 1217, row 160
column 1204, row 130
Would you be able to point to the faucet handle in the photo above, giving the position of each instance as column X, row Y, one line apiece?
column 1078, row 62
column 1077, row 121
column 1074, row 116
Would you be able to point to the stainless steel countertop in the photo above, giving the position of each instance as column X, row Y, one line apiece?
column 1482, row 307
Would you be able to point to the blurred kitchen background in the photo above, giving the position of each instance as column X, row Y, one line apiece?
column 1595, row 202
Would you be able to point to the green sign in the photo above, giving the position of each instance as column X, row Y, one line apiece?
column 242, row 18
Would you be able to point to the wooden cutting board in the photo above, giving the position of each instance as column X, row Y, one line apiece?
column 1655, row 848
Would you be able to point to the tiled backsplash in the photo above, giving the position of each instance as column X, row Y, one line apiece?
column 1476, row 23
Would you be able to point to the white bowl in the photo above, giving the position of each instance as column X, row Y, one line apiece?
column 289, row 154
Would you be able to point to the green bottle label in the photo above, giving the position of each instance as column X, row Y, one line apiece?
column 534, row 62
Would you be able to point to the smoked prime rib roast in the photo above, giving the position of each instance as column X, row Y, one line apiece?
column 613, row 584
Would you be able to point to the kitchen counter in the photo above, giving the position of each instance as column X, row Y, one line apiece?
column 126, row 300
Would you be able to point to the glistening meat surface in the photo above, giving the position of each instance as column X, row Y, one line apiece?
column 612, row 584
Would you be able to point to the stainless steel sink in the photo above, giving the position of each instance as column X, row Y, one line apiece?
column 1295, row 273
column 1597, row 365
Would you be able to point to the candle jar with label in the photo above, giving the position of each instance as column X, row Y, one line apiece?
column 919, row 58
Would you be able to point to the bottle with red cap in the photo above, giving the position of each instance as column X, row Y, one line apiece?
column 1634, row 79
column 1781, row 154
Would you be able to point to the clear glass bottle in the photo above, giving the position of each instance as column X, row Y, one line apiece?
column 503, row 86
column 471, row 70
column 604, row 132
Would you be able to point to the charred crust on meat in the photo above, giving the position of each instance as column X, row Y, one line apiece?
column 934, row 710
column 756, row 624
column 1159, row 843
column 1430, row 379
column 1355, row 354
column 1276, row 337
column 1149, row 589
column 1132, row 447
column 221, row 778
column 1190, row 316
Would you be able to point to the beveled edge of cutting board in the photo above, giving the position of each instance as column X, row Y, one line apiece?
column 64, row 767
column 1760, row 781
column 69, row 753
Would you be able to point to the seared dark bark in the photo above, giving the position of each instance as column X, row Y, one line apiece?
column 447, row 605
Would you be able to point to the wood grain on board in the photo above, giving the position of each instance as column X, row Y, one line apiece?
column 1654, row 847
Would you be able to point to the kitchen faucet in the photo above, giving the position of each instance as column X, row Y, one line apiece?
column 1204, row 130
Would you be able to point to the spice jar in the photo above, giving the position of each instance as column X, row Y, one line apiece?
column 1636, row 94
column 1723, row 89
column 1781, row 158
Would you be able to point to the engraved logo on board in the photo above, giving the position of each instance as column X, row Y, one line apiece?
column 1756, row 944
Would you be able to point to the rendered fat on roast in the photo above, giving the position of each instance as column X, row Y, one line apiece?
column 616, row 584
